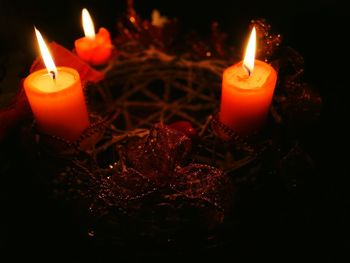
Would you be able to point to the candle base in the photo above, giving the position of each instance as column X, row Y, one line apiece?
column 227, row 134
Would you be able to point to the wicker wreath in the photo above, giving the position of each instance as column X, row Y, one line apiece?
column 151, row 171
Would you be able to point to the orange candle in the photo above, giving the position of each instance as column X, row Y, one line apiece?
column 95, row 49
column 56, row 98
column 247, row 90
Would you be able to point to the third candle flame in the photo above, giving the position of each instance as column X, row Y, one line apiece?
column 88, row 24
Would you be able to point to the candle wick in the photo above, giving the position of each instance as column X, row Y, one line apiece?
column 247, row 70
column 53, row 75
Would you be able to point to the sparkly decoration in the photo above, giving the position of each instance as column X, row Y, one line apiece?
column 268, row 42
column 150, row 174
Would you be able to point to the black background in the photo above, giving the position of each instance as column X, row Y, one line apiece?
column 319, row 228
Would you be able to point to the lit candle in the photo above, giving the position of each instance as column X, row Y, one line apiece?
column 95, row 49
column 56, row 98
column 247, row 90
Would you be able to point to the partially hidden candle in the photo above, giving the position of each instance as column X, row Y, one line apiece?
column 247, row 91
column 56, row 98
column 95, row 49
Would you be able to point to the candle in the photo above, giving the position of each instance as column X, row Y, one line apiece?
column 247, row 90
column 95, row 49
column 56, row 98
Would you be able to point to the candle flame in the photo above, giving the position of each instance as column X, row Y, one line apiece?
column 46, row 56
column 88, row 24
column 249, row 58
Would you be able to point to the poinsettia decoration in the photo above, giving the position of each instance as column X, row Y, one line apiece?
column 159, row 161
column 153, row 174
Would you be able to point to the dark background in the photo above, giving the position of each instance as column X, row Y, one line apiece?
column 319, row 228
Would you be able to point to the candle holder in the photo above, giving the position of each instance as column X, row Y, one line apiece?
column 151, row 172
